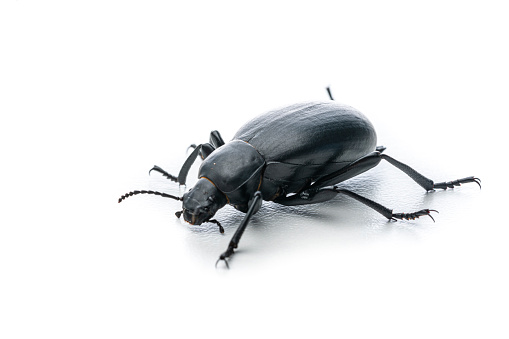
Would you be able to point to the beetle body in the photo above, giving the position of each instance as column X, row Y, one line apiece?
column 293, row 156
column 282, row 151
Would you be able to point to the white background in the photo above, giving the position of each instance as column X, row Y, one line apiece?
column 94, row 93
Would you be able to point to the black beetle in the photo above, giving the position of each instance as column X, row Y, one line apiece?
column 293, row 156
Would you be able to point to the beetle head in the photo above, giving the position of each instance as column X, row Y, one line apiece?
column 202, row 202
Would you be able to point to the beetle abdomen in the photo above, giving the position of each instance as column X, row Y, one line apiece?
column 305, row 141
column 310, row 133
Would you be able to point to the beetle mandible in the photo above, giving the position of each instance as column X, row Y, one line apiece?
column 295, row 155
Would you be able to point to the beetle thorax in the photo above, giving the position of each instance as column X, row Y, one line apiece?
column 235, row 169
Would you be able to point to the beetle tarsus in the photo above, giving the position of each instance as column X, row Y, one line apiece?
column 163, row 172
column 451, row 184
column 413, row 216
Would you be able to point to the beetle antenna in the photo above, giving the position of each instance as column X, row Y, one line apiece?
column 164, row 195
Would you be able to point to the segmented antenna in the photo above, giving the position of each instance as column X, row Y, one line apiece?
column 164, row 195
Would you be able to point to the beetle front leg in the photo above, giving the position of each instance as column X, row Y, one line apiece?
column 253, row 208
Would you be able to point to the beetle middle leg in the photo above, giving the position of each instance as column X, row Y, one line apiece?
column 312, row 196
column 320, row 190
column 371, row 160
column 386, row 212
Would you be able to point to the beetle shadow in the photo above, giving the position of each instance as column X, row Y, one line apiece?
column 340, row 221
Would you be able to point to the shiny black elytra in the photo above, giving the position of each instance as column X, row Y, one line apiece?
column 293, row 156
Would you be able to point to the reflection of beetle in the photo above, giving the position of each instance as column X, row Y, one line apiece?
column 292, row 156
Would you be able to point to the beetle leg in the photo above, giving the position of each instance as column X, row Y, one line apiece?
column 371, row 160
column 353, row 169
column 426, row 183
column 458, row 182
column 187, row 165
column 193, row 146
column 386, row 212
column 215, row 139
column 163, row 172
column 312, row 196
column 413, row 216
column 253, row 208
column 330, row 93
column 203, row 150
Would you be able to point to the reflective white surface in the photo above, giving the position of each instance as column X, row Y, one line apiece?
column 93, row 96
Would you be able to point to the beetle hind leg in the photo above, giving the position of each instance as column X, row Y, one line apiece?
column 386, row 212
column 312, row 196
column 426, row 183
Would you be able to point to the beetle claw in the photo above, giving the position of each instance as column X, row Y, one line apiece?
column 477, row 181
column 429, row 215
column 223, row 258
column 413, row 216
